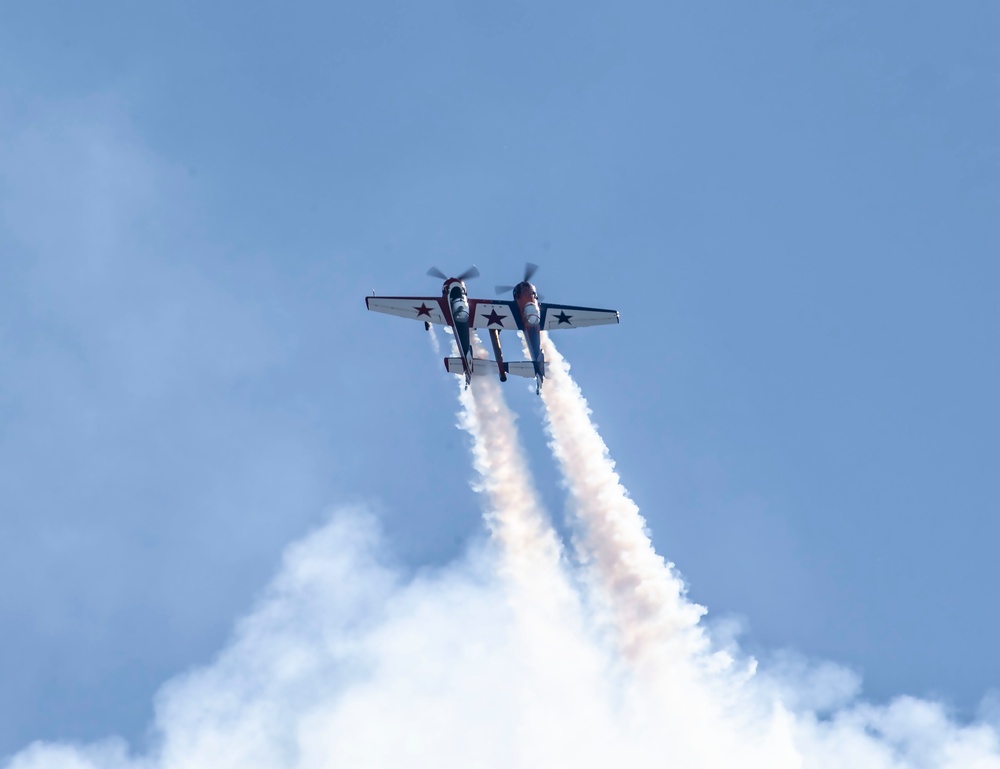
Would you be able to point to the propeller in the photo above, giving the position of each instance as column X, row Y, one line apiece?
column 472, row 272
column 529, row 270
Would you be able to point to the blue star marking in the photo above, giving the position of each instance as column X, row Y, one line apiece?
column 562, row 317
column 494, row 318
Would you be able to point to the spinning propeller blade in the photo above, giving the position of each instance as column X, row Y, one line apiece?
column 472, row 272
column 529, row 270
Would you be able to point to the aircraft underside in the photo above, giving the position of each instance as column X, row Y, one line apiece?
column 526, row 313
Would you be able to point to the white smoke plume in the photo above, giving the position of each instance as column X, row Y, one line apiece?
column 528, row 544
column 546, row 620
column 348, row 662
column 644, row 593
column 435, row 344
column 529, row 549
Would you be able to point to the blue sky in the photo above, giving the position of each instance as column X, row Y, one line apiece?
column 793, row 206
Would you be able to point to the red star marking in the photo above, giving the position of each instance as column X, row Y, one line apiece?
column 423, row 309
column 494, row 318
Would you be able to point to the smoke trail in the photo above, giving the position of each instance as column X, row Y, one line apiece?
column 530, row 549
column 698, row 701
column 435, row 344
column 645, row 594
column 546, row 615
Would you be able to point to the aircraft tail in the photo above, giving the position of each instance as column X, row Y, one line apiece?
column 483, row 367
column 480, row 367
column 523, row 368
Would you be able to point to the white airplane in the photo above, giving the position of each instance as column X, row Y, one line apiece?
column 532, row 317
column 525, row 313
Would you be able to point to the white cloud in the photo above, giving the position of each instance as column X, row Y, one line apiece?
column 343, row 662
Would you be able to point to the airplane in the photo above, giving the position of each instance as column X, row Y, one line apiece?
column 531, row 317
column 454, row 308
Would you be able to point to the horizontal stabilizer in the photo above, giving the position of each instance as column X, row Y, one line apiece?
column 523, row 368
column 481, row 367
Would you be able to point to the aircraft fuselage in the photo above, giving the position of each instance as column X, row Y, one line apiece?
column 527, row 301
column 456, row 306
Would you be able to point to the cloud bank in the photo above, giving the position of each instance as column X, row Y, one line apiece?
column 516, row 655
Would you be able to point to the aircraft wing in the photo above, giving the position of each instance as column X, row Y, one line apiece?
column 556, row 316
column 426, row 308
column 487, row 313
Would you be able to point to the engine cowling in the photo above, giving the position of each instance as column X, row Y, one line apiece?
column 460, row 309
column 532, row 315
